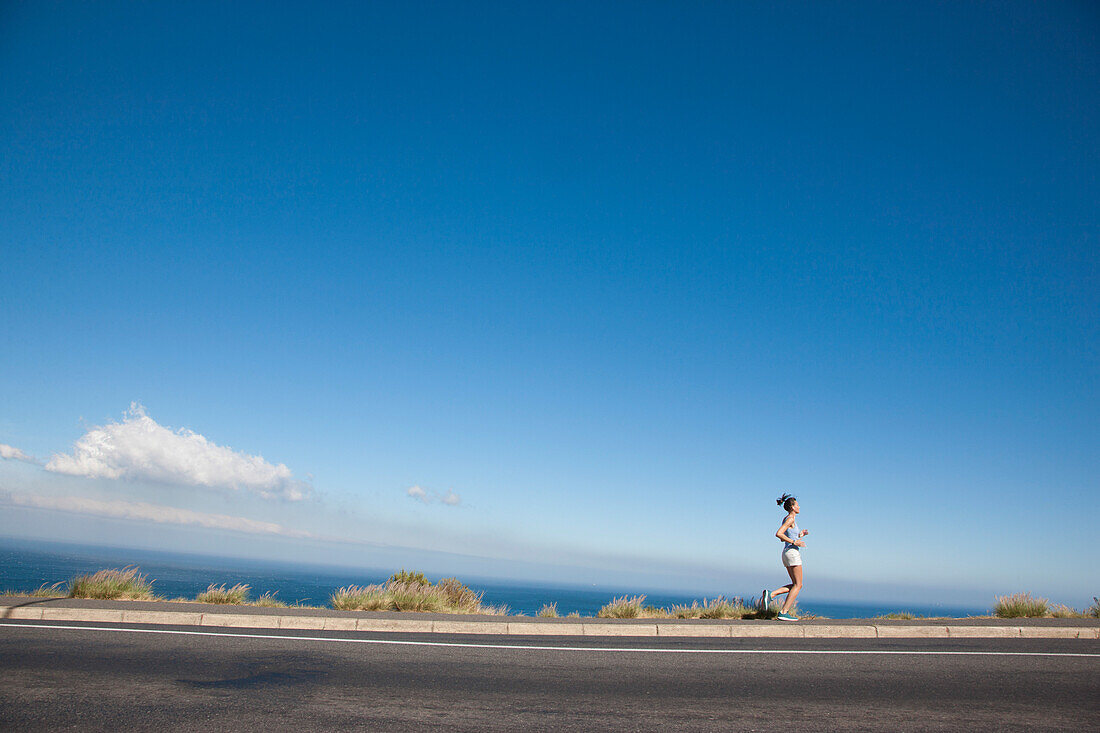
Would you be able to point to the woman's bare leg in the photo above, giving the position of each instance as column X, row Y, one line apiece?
column 795, row 572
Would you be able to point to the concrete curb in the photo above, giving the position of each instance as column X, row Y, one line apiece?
column 733, row 629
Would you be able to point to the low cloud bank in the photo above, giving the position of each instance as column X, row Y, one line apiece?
column 142, row 511
column 12, row 453
column 428, row 496
column 138, row 448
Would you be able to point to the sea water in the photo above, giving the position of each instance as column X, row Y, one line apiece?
column 26, row 565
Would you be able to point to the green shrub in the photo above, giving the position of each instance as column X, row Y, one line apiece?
column 123, row 584
column 1020, row 605
column 406, row 577
column 1094, row 609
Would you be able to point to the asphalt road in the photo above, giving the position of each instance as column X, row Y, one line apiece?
column 92, row 679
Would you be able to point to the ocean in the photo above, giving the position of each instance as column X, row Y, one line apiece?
column 27, row 564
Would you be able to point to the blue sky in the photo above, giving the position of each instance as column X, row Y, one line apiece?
column 609, row 277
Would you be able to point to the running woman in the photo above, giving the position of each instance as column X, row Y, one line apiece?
column 791, row 537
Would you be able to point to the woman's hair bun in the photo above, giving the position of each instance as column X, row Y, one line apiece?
column 782, row 501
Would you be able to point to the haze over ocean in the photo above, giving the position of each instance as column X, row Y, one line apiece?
column 559, row 294
column 25, row 566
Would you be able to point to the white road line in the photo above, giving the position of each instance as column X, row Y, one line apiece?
column 643, row 650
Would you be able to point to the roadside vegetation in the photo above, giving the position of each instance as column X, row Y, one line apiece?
column 268, row 600
column 413, row 592
column 772, row 612
column 1025, row 605
column 716, row 608
column 622, row 607
column 49, row 591
column 122, row 584
column 412, row 578
column 42, row 591
column 1020, row 605
column 237, row 594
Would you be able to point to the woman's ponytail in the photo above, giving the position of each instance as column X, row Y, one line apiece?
column 786, row 500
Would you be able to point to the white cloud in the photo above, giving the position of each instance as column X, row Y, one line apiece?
column 150, row 513
column 138, row 448
column 429, row 496
column 14, row 454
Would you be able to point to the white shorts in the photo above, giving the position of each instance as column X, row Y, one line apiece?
column 791, row 557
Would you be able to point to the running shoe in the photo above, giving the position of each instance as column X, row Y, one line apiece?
column 786, row 617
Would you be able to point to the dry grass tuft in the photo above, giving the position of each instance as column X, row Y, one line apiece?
column 548, row 610
column 717, row 608
column 359, row 598
column 50, row 591
column 1020, row 605
column 405, row 592
column 459, row 598
column 42, row 591
column 268, row 600
column 236, row 595
column 388, row 596
column 898, row 616
column 413, row 596
column 622, row 607
column 772, row 612
column 124, row 584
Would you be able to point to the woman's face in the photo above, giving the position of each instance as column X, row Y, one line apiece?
column 794, row 506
